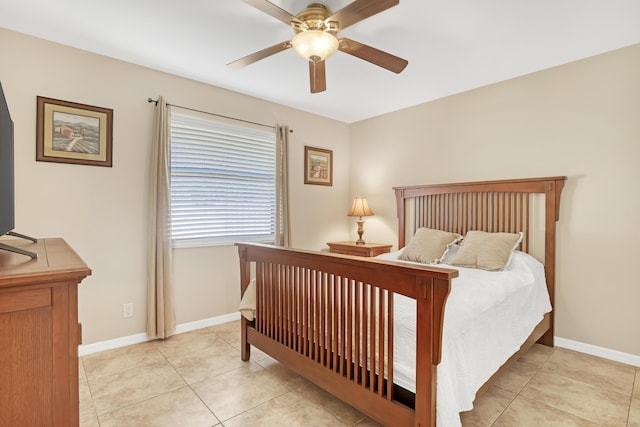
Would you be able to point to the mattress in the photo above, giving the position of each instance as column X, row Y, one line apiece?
column 488, row 316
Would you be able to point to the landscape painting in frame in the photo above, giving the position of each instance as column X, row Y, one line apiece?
column 68, row 132
column 318, row 166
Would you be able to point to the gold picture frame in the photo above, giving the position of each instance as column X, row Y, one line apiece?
column 318, row 166
column 68, row 132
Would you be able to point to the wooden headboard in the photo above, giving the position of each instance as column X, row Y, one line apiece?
column 494, row 206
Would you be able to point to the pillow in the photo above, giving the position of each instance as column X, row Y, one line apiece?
column 487, row 251
column 429, row 245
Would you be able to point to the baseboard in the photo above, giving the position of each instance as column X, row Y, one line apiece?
column 204, row 323
column 97, row 347
column 594, row 350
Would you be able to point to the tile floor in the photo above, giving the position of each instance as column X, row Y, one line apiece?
column 197, row 379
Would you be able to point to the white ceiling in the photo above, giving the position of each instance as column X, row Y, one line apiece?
column 451, row 45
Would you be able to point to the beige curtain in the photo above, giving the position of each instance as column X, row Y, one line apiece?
column 161, row 319
column 282, row 186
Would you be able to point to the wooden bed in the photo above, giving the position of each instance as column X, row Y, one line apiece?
column 329, row 317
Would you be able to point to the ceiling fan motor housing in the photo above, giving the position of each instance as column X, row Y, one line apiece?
column 314, row 17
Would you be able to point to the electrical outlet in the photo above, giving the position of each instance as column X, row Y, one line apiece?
column 127, row 310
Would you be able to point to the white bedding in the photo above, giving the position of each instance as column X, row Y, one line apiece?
column 488, row 316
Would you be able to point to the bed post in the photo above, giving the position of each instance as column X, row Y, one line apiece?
column 553, row 188
column 432, row 295
column 245, row 277
column 401, row 217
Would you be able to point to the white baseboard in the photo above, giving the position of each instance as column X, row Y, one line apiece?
column 204, row 323
column 605, row 353
column 87, row 349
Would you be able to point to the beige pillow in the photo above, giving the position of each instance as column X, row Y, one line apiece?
column 429, row 246
column 487, row 251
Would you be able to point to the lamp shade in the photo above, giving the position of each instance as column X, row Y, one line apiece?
column 315, row 45
column 360, row 207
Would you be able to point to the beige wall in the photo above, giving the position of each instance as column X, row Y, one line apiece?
column 102, row 212
column 581, row 120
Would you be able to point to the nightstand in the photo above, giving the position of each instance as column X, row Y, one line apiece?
column 366, row 250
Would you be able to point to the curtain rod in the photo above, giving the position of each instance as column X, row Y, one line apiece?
column 155, row 101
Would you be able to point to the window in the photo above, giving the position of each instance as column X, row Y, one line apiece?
column 222, row 182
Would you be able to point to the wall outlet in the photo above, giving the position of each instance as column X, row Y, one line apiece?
column 127, row 310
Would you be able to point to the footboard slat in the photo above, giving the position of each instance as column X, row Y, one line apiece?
column 335, row 329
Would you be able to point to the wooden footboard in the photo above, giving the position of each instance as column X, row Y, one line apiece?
column 329, row 317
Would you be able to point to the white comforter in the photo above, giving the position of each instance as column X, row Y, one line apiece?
column 488, row 316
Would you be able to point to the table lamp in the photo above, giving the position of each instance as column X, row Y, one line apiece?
column 360, row 208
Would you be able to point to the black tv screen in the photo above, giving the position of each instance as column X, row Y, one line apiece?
column 6, row 167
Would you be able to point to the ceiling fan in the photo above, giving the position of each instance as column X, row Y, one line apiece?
column 316, row 28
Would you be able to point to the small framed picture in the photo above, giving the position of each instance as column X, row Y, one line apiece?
column 68, row 132
column 318, row 166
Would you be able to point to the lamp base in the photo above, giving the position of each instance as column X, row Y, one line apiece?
column 360, row 232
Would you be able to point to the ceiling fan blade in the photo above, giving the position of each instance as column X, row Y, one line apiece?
column 317, row 77
column 373, row 55
column 256, row 56
column 273, row 10
column 359, row 10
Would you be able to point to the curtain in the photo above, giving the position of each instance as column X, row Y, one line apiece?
column 161, row 319
column 283, row 230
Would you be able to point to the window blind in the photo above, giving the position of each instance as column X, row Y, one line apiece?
column 222, row 182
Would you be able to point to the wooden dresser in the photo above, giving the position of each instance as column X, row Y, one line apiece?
column 39, row 334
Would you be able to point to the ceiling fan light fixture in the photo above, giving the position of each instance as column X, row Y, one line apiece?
column 315, row 45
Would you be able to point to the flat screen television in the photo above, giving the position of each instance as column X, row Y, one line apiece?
column 7, row 207
column 7, row 199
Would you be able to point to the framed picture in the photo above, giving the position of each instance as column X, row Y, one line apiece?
column 67, row 132
column 318, row 166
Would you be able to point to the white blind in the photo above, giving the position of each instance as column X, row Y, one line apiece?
column 222, row 182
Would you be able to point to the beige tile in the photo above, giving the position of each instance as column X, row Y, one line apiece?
column 336, row 407
column 368, row 422
column 131, row 386
column 187, row 342
column 206, row 363
column 592, row 370
column 537, row 355
column 516, row 377
column 288, row 410
column 333, row 405
column 87, row 410
column 523, row 412
column 294, row 380
column 589, row 402
column 234, row 392
column 487, row 407
column 113, row 361
column 82, row 375
column 233, row 326
column 257, row 354
column 91, row 421
column 634, row 413
column 230, row 332
column 176, row 408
